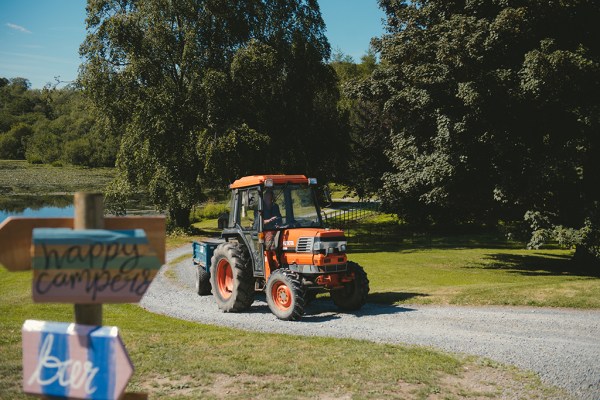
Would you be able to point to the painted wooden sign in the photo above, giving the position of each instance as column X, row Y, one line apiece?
column 91, row 266
column 74, row 361
column 15, row 236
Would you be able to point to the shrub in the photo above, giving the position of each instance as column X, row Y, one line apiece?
column 13, row 142
column 8, row 147
column 78, row 152
column 209, row 210
column 43, row 146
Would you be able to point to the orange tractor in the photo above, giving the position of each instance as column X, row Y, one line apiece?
column 275, row 241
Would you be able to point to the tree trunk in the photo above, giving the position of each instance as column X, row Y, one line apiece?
column 180, row 216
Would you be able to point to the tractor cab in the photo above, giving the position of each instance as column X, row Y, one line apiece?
column 276, row 241
column 269, row 214
column 291, row 195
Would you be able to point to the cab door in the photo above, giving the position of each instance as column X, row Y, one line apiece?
column 248, row 216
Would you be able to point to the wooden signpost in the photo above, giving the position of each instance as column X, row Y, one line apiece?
column 16, row 239
column 87, row 260
column 74, row 361
column 91, row 266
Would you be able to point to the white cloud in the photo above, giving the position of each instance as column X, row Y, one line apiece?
column 18, row 28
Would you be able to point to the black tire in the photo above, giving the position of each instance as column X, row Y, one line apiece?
column 285, row 295
column 202, row 281
column 231, row 277
column 354, row 294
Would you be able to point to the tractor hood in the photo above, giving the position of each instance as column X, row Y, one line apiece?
column 307, row 240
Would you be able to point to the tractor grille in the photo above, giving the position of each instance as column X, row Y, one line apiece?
column 305, row 245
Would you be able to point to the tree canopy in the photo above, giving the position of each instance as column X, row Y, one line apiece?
column 204, row 91
column 492, row 109
column 52, row 126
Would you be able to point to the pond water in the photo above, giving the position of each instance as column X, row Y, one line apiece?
column 43, row 212
column 54, row 206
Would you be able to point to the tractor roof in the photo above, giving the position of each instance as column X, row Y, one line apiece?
column 260, row 179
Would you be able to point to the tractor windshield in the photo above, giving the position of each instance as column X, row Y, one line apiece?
column 296, row 204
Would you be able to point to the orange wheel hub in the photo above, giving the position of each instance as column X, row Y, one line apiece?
column 224, row 278
column 281, row 295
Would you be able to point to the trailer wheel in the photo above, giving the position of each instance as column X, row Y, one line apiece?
column 354, row 294
column 285, row 295
column 231, row 278
column 202, row 281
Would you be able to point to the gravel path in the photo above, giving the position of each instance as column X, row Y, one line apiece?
column 561, row 345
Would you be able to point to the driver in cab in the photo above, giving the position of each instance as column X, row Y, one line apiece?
column 271, row 214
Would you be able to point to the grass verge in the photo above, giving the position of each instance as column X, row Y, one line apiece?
column 467, row 269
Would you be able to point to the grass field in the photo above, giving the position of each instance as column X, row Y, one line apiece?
column 178, row 359
column 469, row 269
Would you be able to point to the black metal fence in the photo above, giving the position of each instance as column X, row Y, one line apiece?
column 349, row 214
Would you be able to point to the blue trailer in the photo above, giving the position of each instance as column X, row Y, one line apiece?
column 202, row 253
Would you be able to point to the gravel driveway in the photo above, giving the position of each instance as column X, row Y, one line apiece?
column 561, row 345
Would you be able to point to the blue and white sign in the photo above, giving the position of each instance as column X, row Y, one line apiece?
column 74, row 361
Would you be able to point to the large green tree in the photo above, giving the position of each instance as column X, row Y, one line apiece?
column 204, row 90
column 492, row 109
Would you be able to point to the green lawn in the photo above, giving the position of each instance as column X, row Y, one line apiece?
column 469, row 269
column 178, row 359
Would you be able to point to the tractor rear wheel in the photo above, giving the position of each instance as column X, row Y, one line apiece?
column 285, row 295
column 231, row 277
column 202, row 281
column 354, row 294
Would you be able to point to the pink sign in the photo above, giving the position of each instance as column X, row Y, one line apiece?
column 74, row 361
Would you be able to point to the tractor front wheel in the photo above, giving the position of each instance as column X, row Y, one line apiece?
column 285, row 295
column 231, row 278
column 354, row 294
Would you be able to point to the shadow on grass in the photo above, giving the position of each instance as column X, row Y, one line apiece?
column 204, row 231
column 389, row 237
column 541, row 264
column 383, row 233
column 391, row 298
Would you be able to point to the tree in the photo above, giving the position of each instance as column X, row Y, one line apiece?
column 184, row 84
column 14, row 142
column 492, row 109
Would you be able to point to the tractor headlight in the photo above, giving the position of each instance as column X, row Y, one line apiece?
column 329, row 247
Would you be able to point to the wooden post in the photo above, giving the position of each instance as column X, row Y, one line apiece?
column 89, row 214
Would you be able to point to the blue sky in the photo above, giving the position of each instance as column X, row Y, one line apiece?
column 39, row 39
